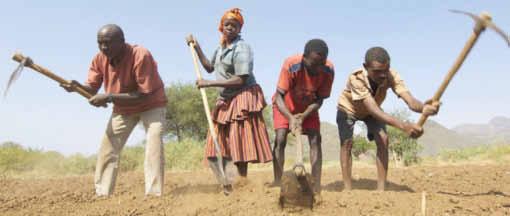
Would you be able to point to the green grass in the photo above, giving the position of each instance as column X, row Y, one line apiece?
column 497, row 153
column 185, row 155
column 16, row 160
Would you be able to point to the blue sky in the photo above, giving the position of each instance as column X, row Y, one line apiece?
column 422, row 37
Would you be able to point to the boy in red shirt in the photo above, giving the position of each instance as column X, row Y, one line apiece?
column 305, row 81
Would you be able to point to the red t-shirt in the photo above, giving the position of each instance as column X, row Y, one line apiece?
column 301, row 88
column 136, row 71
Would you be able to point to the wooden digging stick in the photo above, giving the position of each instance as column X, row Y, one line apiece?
column 208, row 115
column 29, row 63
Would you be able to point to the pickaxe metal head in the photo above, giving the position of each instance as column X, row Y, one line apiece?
column 17, row 72
column 485, row 21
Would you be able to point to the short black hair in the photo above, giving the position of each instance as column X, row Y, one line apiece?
column 316, row 45
column 377, row 54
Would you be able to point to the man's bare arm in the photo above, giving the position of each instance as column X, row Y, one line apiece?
column 375, row 111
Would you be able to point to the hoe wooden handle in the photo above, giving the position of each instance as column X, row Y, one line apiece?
column 299, row 168
column 482, row 22
column 453, row 70
column 204, row 95
column 299, row 149
column 19, row 58
column 212, row 131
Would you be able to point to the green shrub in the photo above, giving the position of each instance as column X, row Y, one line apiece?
column 79, row 164
column 405, row 149
column 15, row 158
column 361, row 145
column 132, row 158
column 185, row 155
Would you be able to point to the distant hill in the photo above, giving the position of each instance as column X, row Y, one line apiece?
column 436, row 137
column 330, row 141
column 497, row 129
column 330, row 144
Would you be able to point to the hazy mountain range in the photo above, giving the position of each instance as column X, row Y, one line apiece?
column 497, row 128
column 436, row 137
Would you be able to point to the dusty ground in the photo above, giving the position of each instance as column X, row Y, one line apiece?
column 452, row 190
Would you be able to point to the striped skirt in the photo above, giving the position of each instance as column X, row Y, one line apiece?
column 240, row 126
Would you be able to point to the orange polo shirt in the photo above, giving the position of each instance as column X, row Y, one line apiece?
column 303, row 89
column 136, row 71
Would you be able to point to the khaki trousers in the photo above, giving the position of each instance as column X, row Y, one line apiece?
column 117, row 132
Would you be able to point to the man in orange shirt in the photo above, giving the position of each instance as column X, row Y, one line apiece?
column 361, row 100
column 305, row 81
column 132, row 83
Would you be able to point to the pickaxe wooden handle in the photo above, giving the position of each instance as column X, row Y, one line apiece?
column 482, row 22
column 19, row 58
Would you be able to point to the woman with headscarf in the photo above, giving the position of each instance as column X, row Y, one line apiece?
column 242, row 133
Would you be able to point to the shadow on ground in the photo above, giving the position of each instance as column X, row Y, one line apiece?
column 365, row 184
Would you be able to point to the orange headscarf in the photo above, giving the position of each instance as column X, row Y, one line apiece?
column 234, row 13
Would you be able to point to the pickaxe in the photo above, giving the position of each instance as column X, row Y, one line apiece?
column 27, row 62
column 481, row 23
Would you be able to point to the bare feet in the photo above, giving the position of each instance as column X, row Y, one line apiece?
column 241, row 182
column 381, row 186
column 317, row 198
column 347, row 186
